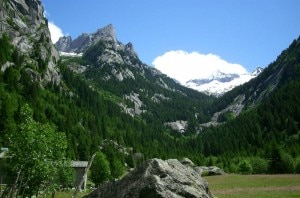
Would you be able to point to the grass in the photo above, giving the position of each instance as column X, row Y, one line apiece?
column 266, row 186
column 68, row 194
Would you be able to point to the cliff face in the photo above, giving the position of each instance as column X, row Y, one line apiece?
column 84, row 41
column 24, row 23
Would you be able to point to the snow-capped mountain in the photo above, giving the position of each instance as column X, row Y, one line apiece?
column 219, row 83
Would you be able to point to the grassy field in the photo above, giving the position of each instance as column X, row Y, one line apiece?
column 267, row 186
column 68, row 194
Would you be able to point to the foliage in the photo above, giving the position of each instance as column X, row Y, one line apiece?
column 116, row 161
column 6, row 49
column 280, row 161
column 37, row 153
column 245, row 167
column 259, row 165
column 66, row 176
column 297, row 165
column 100, row 169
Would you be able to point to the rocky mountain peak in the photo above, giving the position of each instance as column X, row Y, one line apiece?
column 64, row 43
column 84, row 41
column 107, row 33
column 257, row 71
column 219, row 82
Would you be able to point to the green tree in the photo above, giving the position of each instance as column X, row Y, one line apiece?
column 100, row 171
column 297, row 165
column 38, row 155
column 66, row 175
column 117, row 168
column 259, row 165
column 245, row 167
column 6, row 49
column 280, row 161
column 288, row 163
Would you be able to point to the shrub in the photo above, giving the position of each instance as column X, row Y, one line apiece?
column 259, row 165
column 288, row 163
column 297, row 165
column 100, row 171
column 245, row 167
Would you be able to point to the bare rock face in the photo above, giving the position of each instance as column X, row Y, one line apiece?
column 24, row 23
column 84, row 41
column 157, row 178
column 211, row 170
column 64, row 43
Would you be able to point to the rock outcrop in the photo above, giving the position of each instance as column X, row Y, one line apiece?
column 203, row 170
column 211, row 170
column 157, row 178
column 64, row 43
column 84, row 41
column 24, row 23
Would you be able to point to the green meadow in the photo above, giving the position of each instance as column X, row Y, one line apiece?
column 259, row 186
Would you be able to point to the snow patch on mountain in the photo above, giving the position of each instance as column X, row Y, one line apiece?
column 219, row 83
column 70, row 54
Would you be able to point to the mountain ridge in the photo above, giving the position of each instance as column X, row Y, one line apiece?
column 218, row 83
column 84, row 41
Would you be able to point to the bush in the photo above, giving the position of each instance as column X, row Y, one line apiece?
column 231, row 168
column 288, row 163
column 297, row 165
column 259, row 165
column 245, row 167
column 100, row 171
column 280, row 162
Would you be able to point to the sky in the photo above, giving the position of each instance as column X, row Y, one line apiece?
column 173, row 35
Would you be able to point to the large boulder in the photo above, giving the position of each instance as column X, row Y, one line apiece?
column 157, row 178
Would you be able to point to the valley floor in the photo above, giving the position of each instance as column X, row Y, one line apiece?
column 259, row 186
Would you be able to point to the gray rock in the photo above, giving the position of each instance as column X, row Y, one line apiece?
column 156, row 178
column 187, row 162
column 24, row 22
column 212, row 170
column 64, row 43
column 179, row 125
column 84, row 41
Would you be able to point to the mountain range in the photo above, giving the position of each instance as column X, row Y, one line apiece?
column 100, row 90
column 217, row 84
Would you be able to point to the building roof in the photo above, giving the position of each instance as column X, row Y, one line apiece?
column 79, row 164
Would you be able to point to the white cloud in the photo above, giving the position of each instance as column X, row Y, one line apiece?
column 184, row 66
column 55, row 31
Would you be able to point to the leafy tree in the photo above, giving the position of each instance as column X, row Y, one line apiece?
column 38, row 153
column 245, row 167
column 100, row 171
column 280, row 162
column 117, row 168
column 297, row 165
column 288, row 163
column 259, row 165
column 66, row 175
column 6, row 49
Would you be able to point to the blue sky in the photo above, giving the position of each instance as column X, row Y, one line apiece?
column 247, row 32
